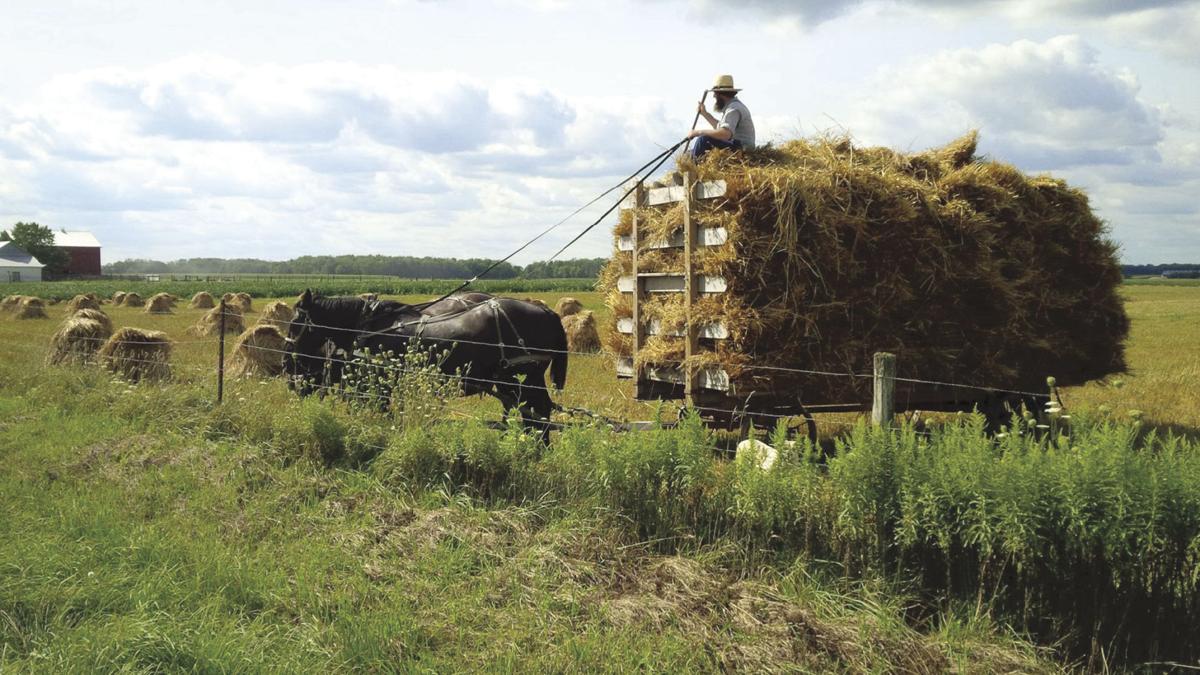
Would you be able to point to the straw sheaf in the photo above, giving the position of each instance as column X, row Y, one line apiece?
column 11, row 303
column 278, row 314
column 159, row 303
column 969, row 270
column 132, row 300
column 202, row 300
column 95, row 315
column 31, row 308
column 566, row 306
column 82, row 302
column 259, row 353
column 582, row 333
column 137, row 355
column 210, row 322
column 77, row 340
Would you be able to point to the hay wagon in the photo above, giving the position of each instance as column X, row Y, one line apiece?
column 770, row 393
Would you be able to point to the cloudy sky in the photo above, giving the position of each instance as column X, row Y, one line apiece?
column 280, row 128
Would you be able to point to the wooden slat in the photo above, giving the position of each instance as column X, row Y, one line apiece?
column 670, row 194
column 709, row 236
column 673, row 283
column 710, row 377
column 716, row 330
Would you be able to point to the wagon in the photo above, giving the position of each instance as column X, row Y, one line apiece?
column 709, row 390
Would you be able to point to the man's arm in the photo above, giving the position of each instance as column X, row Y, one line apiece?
column 712, row 121
column 721, row 133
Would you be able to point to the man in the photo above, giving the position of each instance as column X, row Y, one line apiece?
column 734, row 130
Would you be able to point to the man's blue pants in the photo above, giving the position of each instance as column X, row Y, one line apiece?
column 703, row 144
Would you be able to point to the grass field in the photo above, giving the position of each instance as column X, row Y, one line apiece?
column 147, row 529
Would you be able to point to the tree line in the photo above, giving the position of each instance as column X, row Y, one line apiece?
column 407, row 267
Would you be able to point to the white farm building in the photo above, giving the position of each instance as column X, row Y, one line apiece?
column 16, row 264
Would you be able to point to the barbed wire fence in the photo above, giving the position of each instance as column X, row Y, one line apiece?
column 882, row 407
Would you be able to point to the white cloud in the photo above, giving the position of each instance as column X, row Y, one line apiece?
column 1052, row 106
column 207, row 144
column 1047, row 104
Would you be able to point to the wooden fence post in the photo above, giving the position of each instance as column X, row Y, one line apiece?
column 221, row 356
column 883, row 407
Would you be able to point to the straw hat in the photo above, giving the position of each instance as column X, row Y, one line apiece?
column 725, row 83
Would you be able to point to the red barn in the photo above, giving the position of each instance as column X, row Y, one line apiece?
column 84, row 249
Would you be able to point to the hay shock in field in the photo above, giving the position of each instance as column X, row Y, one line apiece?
column 259, row 353
column 202, row 300
column 137, row 355
column 278, row 314
column 160, row 303
column 583, row 336
column 823, row 253
column 210, row 323
column 77, row 340
column 30, row 308
column 78, row 302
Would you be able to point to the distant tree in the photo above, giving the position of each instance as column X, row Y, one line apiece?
column 38, row 241
column 4, row 236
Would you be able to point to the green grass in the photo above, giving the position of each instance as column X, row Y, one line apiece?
column 276, row 534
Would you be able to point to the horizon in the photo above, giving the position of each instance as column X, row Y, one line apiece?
column 176, row 130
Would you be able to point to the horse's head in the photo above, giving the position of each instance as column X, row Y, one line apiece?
column 309, row 345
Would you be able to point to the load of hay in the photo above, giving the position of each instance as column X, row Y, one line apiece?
column 95, row 315
column 210, row 323
column 202, row 300
column 78, row 339
column 159, row 303
column 582, row 333
column 568, row 306
column 118, row 298
column 132, row 300
column 31, row 308
column 137, row 355
column 278, row 314
column 967, row 269
column 535, row 301
column 259, row 353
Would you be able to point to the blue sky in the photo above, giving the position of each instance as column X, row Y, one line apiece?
column 277, row 129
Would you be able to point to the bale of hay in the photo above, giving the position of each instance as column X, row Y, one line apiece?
column 967, row 269
column 278, row 314
column 568, row 306
column 95, row 315
column 202, row 300
column 82, row 302
column 535, row 301
column 159, row 303
column 137, row 355
column 77, row 340
column 118, row 298
column 243, row 302
column 210, row 322
column 259, row 353
column 132, row 300
column 583, row 335
column 31, row 308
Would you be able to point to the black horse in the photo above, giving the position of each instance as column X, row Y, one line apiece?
column 500, row 346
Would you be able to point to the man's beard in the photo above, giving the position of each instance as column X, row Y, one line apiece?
column 719, row 103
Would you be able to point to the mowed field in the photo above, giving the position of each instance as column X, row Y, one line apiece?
column 145, row 529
